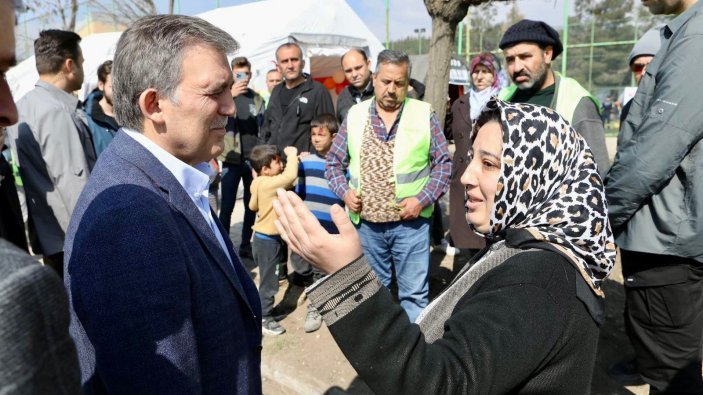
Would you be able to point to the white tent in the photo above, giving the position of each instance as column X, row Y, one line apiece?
column 325, row 29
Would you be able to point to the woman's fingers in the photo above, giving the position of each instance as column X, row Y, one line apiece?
column 311, row 226
column 283, row 210
column 342, row 222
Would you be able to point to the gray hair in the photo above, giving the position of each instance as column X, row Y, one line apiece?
column 149, row 54
column 392, row 57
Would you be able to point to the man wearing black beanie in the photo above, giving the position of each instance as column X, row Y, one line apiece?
column 529, row 48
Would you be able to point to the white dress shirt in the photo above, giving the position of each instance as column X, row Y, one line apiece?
column 193, row 179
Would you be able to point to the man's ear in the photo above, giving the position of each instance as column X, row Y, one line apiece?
column 150, row 107
column 548, row 53
column 302, row 64
column 68, row 65
column 101, row 86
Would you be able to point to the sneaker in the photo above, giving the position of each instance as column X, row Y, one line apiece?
column 313, row 320
column 302, row 280
column 446, row 248
column 625, row 372
column 245, row 251
column 269, row 326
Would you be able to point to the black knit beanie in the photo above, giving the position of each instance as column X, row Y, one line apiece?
column 532, row 31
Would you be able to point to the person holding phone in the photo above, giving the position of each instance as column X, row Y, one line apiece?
column 242, row 135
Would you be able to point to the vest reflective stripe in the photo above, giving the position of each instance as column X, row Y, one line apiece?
column 568, row 92
column 411, row 159
column 408, row 178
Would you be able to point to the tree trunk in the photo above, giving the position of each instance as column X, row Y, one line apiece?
column 74, row 12
column 441, row 48
column 446, row 15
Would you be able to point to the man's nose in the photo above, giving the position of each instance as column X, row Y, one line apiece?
column 8, row 111
column 227, row 107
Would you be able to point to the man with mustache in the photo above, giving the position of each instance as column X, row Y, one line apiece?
column 398, row 162
column 160, row 303
column 530, row 48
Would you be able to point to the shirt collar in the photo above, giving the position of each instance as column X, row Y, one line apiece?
column 675, row 24
column 368, row 89
column 194, row 179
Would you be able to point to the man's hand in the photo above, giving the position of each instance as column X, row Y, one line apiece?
column 352, row 201
column 239, row 88
column 411, row 208
column 303, row 154
column 307, row 238
column 290, row 151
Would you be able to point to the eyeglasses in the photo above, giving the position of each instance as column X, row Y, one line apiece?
column 638, row 67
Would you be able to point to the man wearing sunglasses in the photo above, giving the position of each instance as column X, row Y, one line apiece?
column 642, row 54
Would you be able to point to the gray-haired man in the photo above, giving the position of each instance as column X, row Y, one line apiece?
column 160, row 303
column 396, row 154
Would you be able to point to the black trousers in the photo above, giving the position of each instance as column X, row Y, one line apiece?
column 664, row 320
column 304, row 268
column 268, row 253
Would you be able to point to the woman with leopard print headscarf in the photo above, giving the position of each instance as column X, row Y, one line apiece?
column 524, row 316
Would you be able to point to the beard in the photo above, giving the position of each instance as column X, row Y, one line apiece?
column 535, row 84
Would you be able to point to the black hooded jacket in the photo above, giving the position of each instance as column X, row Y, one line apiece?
column 292, row 126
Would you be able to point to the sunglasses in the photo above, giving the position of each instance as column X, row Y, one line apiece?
column 638, row 67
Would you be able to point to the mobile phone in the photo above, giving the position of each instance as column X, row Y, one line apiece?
column 240, row 76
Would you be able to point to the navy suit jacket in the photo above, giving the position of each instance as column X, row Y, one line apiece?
column 156, row 306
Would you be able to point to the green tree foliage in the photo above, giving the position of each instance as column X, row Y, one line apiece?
column 601, row 21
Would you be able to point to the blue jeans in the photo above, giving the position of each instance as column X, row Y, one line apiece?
column 231, row 174
column 405, row 245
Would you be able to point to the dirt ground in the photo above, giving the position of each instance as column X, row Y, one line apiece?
column 311, row 363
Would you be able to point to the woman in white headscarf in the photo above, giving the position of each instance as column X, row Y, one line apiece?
column 485, row 78
column 525, row 316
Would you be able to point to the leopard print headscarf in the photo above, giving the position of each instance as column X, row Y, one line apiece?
column 549, row 186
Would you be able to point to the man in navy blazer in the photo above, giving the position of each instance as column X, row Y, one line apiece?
column 160, row 303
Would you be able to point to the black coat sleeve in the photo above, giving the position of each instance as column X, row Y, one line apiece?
column 498, row 335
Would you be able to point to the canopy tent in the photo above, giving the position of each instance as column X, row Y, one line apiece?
column 324, row 29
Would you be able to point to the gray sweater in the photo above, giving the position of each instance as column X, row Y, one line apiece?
column 37, row 356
